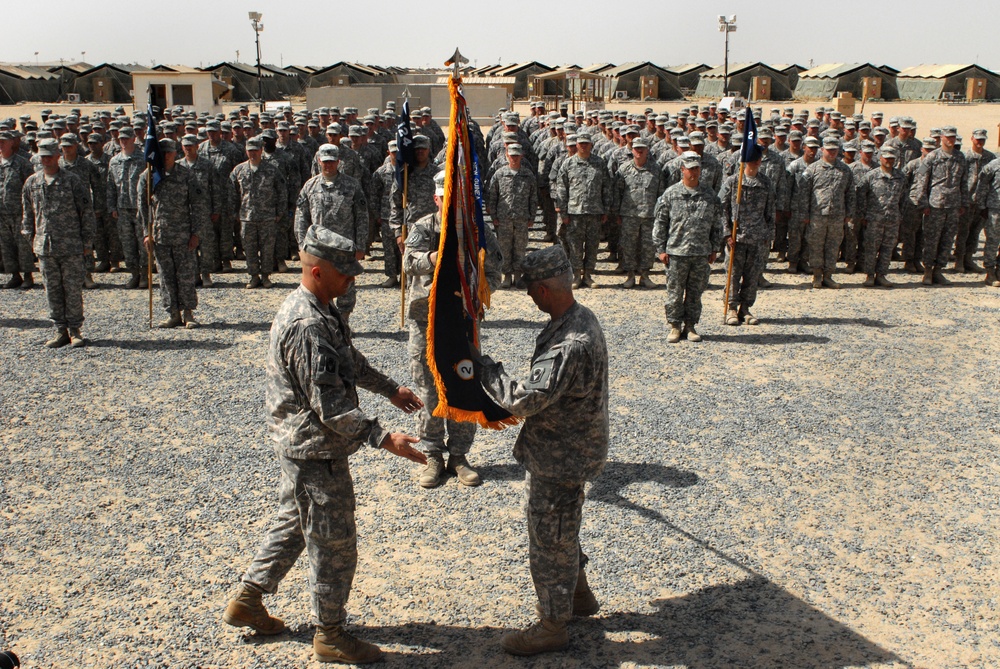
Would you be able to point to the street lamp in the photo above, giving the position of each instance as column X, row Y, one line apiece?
column 36, row 59
column 726, row 25
column 258, row 27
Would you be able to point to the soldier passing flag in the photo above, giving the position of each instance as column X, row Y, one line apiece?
column 154, row 162
column 406, row 158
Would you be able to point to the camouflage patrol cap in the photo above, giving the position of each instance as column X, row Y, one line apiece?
column 328, row 152
column 69, row 139
column 640, row 144
column 928, row 143
column 333, row 129
column 583, row 138
column 168, row 145
column 831, row 142
column 849, row 147
column 509, row 137
column 269, row 133
column 694, row 138
column 812, row 142
column 795, row 136
column 867, row 146
column 6, row 134
column 683, row 141
column 283, row 125
column 880, row 132
column 545, row 263
column 255, row 144
column 935, row 132
column 949, row 131
column 878, row 114
column 979, row 133
column 907, row 122
column 49, row 147
column 690, row 160
column 126, row 132
column 332, row 247
column 189, row 140
column 393, row 147
column 95, row 138
column 571, row 139
column 356, row 131
column 421, row 142
column 514, row 150
column 889, row 152
column 439, row 183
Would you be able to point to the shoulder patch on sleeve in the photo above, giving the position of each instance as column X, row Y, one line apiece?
column 543, row 372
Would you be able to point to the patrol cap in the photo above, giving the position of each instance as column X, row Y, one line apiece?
column 763, row 133
column 812, row 141
column 49, row 147
column 880, row 132
column 979, row 133
column 356, row 131
column 393, row 146
column 189, row 140
column 683, row 141
column 421, row 142
column 584, row 138
column 69, row 139
column 514, row 150
column 333, row 248
column 95, row 138
column 269, row 133
column 889, row 152
column 639, row 144
column 168, row 145
column 928, row 143
column 831, row 143
column 690, row 159
column 949, row 131
column 328, row 152
column 545, row 263
column 282, row 125
column 695, row 137
column 849, row 147
column 255, row 144
column 935, row 132
column 878, row 114
column 782, row 131
column 894, row 121
column 571, row 139
column 213, row 126
column 6, row 134
column 908, row 123
column 867, row 146
column 439, row 183
column 333, row 129
column 126, row 132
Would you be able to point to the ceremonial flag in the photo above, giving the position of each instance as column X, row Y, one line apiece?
column 154, row 158
column 404, row 143
column 460, row 293
column 749, row 151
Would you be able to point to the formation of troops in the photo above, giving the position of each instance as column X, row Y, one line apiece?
column 320, row 188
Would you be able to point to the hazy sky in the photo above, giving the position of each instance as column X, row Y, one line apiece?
column 204, row 32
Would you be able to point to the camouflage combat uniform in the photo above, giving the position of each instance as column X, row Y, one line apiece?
column 178, row 209
column 210, row 183
column 107, row 246
column 58, row 220
column 423, row 239
column 124, row 200
column 381, row 203
column 15, row 250
column 987, row 197
column 583, row 192
column 262, row 195
column 941, row 186
column 881, row 198
column 419, row 198
column 634, row 195
column 911, row 228
column 970, row 224
column 313, row 372
column 562, row 444
column 687, row 226
column 339, row 205
column 511, row 201
column 754, row 234
column 826, row 200
column 227, row 229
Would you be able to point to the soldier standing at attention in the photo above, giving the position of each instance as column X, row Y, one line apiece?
column 970, row 224
column 172, row 228
column 381, row 204
column 687, row 228
column 827, row 200
column 562, row 444
column 941, row 190
column 313, row 371
column 15, row 250
column 583, row 198
column 420, row 191
column 334, row 201
column 58, row 222
column 420, row 257
column 209, row 181
column 511, row 200
column 754, row 234
column 881, row 195
column 262, row 195
column 638, row 184
column 123, row 204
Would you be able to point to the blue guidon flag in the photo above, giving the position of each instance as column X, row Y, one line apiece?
column 154, row 157
column 749, row 151
column 404, row 144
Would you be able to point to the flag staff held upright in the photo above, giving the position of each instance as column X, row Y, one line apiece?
column 749, row 152
column 404, row 159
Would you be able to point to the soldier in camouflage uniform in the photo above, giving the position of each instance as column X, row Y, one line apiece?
column 209, row 183
column 970, row 224
column 826, row 200
column 72, row 162
column 987, row 201
column 754, row 234
column 419, row 191
column 315, row 423
column 288, row 165
column 107, row 247
column 334, row 201
column 15, row 250
column 511, row 200
column 261, row 193
column 227, row 230
column 172, row 226
column 420, row 257
column 583, row 199
column 563, row 443
column 124, row 202
column 381, row 202
column 881, row 195
column 687, row 228
column 58, row 221
column 940, row 189
column 854, row 234
column 636, row 188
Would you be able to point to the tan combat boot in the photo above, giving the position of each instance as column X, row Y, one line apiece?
column 629, row 280
column 647, row 282
column 543, row 637
column 433, row 471
column 133, row 283
column 254, row 282
column 869, row 281
column 588, row 280
column 143, row 283
column 829, row 282
column 265, row 281
column 818, row 279
column 189, row 320
column 991, row 278
column 578, row 281
column 206, row 280
column 173, row 321
column 333, row 644
column 938, row 278
column 88, row 281
column 689, row 333
column 282, row 267
column 76, row 339
column 29, row 281
column 881, row 280
column 732, row 318
column 463, row 471
column 928, row 279
column 584, row 602
column 675, row 334
column 247, row 610
column 61, row 339
column 508, row 281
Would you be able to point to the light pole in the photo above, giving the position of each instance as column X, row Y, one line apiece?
column 258, row 27
column 726, row 25
column 36, row 59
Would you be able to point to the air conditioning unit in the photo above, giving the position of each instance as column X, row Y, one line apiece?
column 621, row 95
column 72, row 97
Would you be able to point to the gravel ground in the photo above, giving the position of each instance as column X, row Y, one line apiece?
column 818, row 491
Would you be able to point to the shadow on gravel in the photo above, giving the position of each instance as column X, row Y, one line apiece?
column 753, row 624
column 24, row 323
column 240, row 327
column 832, row 320
column 158, row 344
column 777, row 338
column 397, row 335
column 515, row 323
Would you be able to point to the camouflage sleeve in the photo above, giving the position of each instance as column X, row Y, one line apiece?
column 963, row 184
column 606, row 190
column 617, row 192
column 96, row 191
column 283, row 199
column 561, row 194
column 27, row 215
column 315, row 363
column 979, row 198
column 807, row 198
column 359, row 212
column 377, row 191
column 533, row 198
column 303, row 217
column 200, row 208
column 725, row 196
column 494, row 260
column 492, row 196
column 661, row 224
column 371, row 379
column 921, row 186
column 112, row 192
column 417, row 252
column 396, row 210
column 770, row 211
column 552, row 374
column 861, row 204
column 83, row 198
column 715, row 212
column 849, row 196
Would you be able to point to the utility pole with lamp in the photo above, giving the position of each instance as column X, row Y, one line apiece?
column 726, row 25
column 258, row 27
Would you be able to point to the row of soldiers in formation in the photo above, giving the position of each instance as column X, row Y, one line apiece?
column 250, row 186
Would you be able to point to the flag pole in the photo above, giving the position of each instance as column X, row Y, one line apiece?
column 149, row 246
column 732, row 249
column 402, row 267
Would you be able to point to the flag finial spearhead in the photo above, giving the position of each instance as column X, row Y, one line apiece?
column 456, row 61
